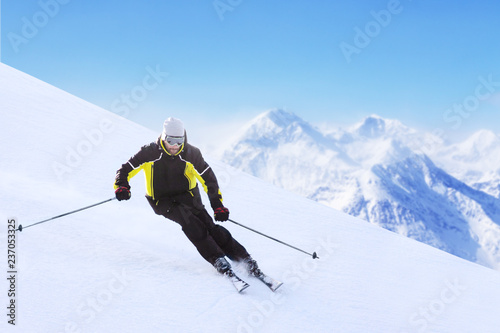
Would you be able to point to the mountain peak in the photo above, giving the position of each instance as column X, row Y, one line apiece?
column 372, row 126
column 484, row 138
column 280, row 117
column 278, row 125
column 375, row 126
column 481, row 148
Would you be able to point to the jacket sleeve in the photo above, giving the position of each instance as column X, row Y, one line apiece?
column 207, row 179
column 130, row 168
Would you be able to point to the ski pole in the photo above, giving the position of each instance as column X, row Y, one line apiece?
column 314, row 255
column 20, row 228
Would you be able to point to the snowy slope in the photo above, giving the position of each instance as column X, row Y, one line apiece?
column 120, row 268
column 374, row 170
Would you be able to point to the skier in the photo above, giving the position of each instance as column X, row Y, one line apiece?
column 172, row 168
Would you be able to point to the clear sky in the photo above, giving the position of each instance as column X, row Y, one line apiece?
column 216, row 64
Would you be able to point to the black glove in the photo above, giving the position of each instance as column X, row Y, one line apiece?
column 122, row 193
column 221, row 214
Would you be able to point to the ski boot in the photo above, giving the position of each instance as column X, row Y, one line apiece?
column 223, row 267
column 252, row 267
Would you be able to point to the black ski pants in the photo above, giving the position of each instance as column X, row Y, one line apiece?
column 211, row 240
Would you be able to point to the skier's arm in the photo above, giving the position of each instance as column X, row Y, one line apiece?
column 208, row 180
column 131, row 167
column 124, row 174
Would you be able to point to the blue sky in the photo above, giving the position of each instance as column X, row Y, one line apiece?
column 217, row 64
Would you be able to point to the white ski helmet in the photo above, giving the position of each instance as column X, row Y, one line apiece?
column 172, row 127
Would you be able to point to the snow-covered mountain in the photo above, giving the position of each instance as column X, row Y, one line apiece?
column 372, row 170
column 120, row 268
column 476, row 161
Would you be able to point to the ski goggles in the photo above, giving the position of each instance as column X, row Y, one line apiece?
column 174, row 140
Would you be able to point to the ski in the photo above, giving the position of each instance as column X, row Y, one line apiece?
column 238, row 283
column 269, row 281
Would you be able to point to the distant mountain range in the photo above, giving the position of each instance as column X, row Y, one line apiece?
column 375, row 170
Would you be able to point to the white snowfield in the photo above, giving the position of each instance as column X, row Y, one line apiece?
column 118, row 267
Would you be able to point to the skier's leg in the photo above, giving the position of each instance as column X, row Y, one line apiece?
column 195, row 230
column 231, row 247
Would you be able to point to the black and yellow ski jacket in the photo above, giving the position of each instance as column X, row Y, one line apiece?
column 168, row 176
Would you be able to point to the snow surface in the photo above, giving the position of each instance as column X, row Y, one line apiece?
column 120, row 268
